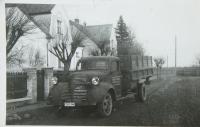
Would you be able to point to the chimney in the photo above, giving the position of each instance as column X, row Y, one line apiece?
column 76, row 21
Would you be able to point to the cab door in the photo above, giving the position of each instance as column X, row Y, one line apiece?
column 116, row 77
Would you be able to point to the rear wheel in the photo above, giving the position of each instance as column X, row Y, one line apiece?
column 105, row 106
column 141, row 93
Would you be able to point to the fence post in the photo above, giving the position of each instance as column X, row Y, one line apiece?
column 48, row 74
column 31, row 84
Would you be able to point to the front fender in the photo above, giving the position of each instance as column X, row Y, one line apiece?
column 96, row 93
column 55, row 93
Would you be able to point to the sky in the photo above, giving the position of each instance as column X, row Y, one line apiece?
column 154, row 22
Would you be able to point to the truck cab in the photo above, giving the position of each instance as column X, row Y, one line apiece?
column 98, row 81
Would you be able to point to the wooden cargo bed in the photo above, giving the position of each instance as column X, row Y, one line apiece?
column 137, row 67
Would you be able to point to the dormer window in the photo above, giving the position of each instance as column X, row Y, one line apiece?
column 59, row 27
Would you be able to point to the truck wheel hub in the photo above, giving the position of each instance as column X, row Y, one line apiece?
column 107, row 104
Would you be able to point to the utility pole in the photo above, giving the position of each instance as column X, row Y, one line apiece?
column 175, row 52
column 167, row 62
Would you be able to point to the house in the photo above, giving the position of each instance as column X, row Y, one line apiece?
column 98, row 38
column 52, row 24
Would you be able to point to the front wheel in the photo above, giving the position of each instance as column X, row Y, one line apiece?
column 105, row 106
column 141, row 93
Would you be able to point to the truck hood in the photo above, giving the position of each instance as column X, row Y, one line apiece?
column 89, row 73
column 83, row 77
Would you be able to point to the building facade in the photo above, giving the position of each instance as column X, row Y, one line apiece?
column 52, row 25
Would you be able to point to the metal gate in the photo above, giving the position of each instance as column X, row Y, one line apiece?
column 40, row 85
column 16, row 85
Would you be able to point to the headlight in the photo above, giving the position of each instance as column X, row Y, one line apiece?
column 95, row 80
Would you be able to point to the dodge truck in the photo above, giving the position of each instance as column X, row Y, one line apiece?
column 102, row 80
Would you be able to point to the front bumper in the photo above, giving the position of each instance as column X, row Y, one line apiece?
column 80, row 97
column 78, row 93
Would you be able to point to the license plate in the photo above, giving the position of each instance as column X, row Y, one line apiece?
column 69, row 104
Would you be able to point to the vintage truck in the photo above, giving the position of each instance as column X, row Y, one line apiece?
column 101, row 80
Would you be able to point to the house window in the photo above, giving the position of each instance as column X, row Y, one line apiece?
column 59, row 27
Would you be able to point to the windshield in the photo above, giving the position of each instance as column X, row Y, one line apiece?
column 92, row 65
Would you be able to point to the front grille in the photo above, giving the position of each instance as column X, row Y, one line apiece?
column 77, row 92
column 66, row 95
column 80, row 94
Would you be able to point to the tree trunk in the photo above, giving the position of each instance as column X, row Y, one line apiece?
column 160, row 73
column 66, row 66
column 157, row 72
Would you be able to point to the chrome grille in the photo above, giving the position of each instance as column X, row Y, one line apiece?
column 80, row 92
column 75, row 92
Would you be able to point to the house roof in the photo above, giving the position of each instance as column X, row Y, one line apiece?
column 34, row 9
column 44, row 22
column 79, row 27
column 97, row 33
column 38, row 13
column 100, row 33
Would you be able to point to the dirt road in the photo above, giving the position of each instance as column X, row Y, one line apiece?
column 172, row 101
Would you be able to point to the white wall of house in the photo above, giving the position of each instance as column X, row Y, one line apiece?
column 32, row 43
column 57, row 14
column 38, row 41
column 77, row 55
column 87, row 47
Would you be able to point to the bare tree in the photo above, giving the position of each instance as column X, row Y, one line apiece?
column 137, row 49
column 36, row 59
column 103, row 45
column 105, row 50
column 198, row 60
column 15, row 58
column 17, row 25
column 134, row 47
column 63, row 52
column 159, row 61
column 95, row 53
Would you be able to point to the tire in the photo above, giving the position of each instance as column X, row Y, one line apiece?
column 141, row 93
column 105, row 106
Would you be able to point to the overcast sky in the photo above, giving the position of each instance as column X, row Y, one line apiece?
column 155, row 23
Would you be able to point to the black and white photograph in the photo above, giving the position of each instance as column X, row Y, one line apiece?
column 100, row 63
